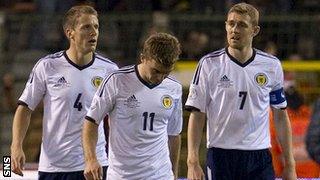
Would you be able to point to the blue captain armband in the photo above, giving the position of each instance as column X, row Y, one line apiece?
column 277, row 97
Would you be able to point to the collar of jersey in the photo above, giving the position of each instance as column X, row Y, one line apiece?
column 76, row 65
column 238, row 62
column 150, row 86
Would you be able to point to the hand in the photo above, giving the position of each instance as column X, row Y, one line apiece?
column 18, row 160
column 195, row 172
column 289, row 173
column 93, row 170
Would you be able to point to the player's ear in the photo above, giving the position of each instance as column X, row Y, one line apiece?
column 142, row 58
column 69, row 33
column 256, row 30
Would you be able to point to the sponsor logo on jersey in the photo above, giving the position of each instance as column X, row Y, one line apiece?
column 225, row 82
column 132, row 102
column 62, row 82
column 96, row 81
column 261, row 79
column 167, row 101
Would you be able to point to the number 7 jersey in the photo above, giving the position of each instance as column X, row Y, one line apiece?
column 141, row 117
column 236, row 98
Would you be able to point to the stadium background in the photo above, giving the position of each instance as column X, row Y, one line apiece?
column 30, row 29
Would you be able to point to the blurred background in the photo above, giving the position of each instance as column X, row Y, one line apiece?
column 290, row 30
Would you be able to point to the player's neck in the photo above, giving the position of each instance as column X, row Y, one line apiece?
column 141, row 72
column 79, row 58
column 242, row 55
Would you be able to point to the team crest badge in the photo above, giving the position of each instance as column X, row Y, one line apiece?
column 96, row 81
column 167, row 101
column 261, row 79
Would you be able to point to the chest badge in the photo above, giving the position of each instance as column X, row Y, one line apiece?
column 261, row 79
column 96, row 81
column 167, row 101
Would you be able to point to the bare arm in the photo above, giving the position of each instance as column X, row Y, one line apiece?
column 174, row 147
column 195, row 129
column 284, row 135
column 93, row 169
column 20, row 126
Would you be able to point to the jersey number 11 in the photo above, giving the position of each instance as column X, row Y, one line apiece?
column 145, row 119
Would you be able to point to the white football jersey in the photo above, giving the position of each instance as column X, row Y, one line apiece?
column 141, row 117
column 67, row 91
column 236, row 98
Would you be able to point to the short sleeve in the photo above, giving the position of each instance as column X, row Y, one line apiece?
column 277, row 95
column 175, row 122
column 35, row 88
column 197, row 97
column 103, row 100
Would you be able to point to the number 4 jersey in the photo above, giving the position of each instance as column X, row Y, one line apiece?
column 141, row 117
column 67, row 91
column 236, row 98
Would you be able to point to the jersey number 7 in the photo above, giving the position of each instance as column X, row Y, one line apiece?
column 243, row 94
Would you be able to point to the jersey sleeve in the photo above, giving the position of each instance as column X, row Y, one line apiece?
column 103, row 100
column 175, row 122
column 197, row 97
column 35, row 87
column 277, row 95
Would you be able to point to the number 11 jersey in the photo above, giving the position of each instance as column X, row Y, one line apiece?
column 141, row 117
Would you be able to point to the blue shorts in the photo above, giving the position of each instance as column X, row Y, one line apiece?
column 75, row 175
column 231, row 164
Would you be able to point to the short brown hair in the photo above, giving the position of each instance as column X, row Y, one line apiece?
column 244, row 8
column 71, row 17
column 163, row 48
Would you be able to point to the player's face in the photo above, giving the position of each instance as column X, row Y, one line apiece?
column 240, row 30
column 86, row 33
column 155, row 72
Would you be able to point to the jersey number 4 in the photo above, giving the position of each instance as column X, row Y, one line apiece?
column 77, row 104
column 243, row 94
column 145, row 119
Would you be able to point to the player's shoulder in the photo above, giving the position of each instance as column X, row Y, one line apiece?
column 49, row 59
column 55, row 55
column 119, row 74
column 212, row 59
column 173, row 81
column 265, row 55
column 214, row 55
column 267, row 59
column 123, row 71
column 102, row 59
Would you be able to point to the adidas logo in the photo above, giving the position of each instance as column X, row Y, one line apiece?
column 225, row 82
column 224, row 78
column 62, row 80
column 61, row 83
column 132, row 102
column 131, row 98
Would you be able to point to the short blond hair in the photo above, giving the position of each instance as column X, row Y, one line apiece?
column 163, row 48
column 70, row 19
column 244, row 8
